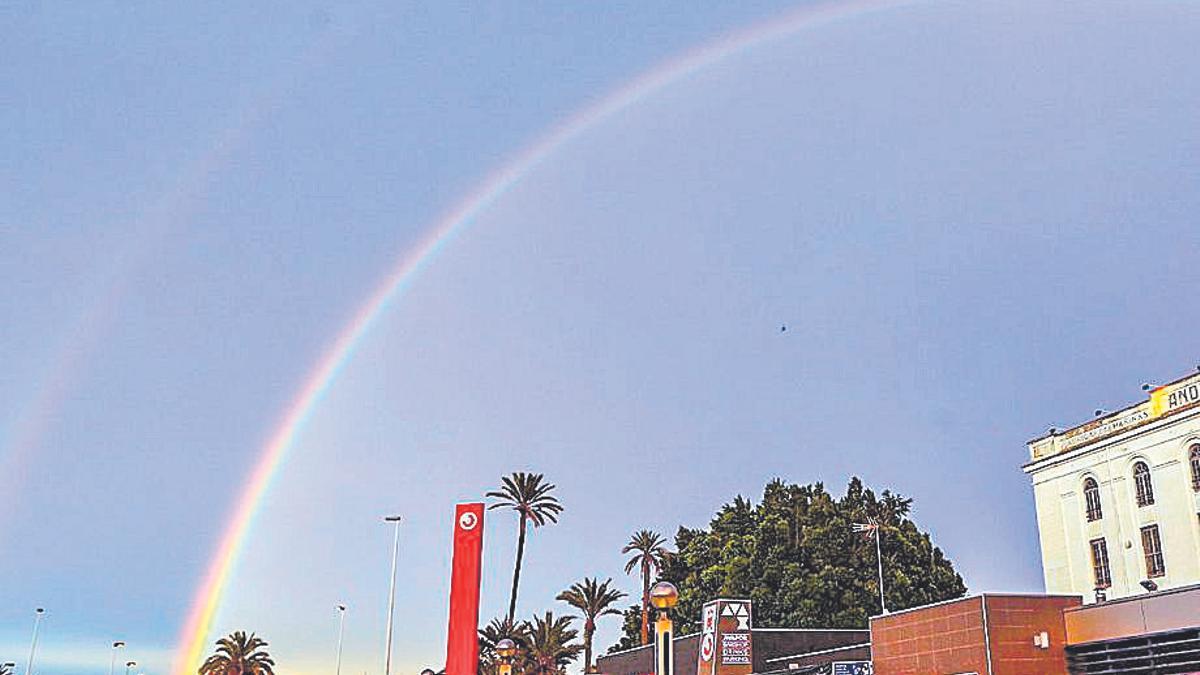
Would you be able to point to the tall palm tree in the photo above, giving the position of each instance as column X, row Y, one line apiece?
column 526, row 494
column 239, row 655
column 550, row 645
column 648, row 555
column 593, row 600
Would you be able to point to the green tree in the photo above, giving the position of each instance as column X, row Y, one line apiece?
column 631, row 629
column 594, row 600
column 526, row 494
column 551, row 645
column 795, row 555
column 649, row 554
column 238, row 654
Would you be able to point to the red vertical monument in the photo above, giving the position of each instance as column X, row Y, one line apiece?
column 725, row 642
column 462, row 643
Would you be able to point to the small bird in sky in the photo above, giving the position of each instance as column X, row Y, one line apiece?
column 783, row 328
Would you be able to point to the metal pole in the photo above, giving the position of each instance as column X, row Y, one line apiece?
column 879, row 560
column 387, row 659
column 663, row 664
column 37, row 622
column 112, row 663
column 341, row 631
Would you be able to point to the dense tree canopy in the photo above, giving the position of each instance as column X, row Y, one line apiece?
column 796, row 556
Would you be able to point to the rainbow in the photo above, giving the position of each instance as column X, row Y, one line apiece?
column 195, row 633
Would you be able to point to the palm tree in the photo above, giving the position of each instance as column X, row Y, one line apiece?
column 526, row 494
column 648, row 555
column 594, row 600
column 6, row 669
column 239, row 655
column 550, row 645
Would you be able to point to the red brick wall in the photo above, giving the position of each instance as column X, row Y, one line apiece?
column 949, row 638
column 935, row 640
column 1012, row 623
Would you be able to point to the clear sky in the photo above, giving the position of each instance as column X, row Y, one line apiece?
column 976, row 220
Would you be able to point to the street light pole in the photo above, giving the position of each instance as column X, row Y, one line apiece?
column 37, row 622
column 128, row 665
column 341, row 632
column 387, row 658
column 112, row 663
column 505, row 649
column 663, row 596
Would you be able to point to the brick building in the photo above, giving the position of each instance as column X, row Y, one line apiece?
column 991, row 633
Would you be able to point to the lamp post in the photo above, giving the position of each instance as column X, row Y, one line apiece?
column 341, row 632
column 112, row 662
column 128, row 665
column 37, row 622
column 387, row 656
column 663, row 596
column 506, row 649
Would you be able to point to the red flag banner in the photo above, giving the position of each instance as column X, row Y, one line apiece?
column 462, row 644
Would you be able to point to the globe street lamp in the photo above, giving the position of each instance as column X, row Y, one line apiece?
column 663, row 596
column 506, row 648
column 112, row 662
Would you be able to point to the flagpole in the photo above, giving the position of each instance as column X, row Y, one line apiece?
column 879, row 561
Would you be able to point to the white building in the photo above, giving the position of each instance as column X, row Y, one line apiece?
column 1118, row 498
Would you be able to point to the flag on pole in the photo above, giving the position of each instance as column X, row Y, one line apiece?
column 868, row 529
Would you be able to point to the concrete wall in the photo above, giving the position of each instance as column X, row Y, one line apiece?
column 1157, row 613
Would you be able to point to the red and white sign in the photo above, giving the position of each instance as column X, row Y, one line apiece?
column 462, row 643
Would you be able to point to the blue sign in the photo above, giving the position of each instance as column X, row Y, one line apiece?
column 853, row 668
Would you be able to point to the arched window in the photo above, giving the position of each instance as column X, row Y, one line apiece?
column 1141, row 483
column 1091, row 496
column 1194, row 460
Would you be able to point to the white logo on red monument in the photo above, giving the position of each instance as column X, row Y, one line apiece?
column 468, row 520
column 740, row 612
column 710, row 618
column 706, row 647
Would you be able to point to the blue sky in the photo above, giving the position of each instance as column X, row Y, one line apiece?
column 976, row 220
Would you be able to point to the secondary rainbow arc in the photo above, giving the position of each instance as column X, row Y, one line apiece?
column 207, row 600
